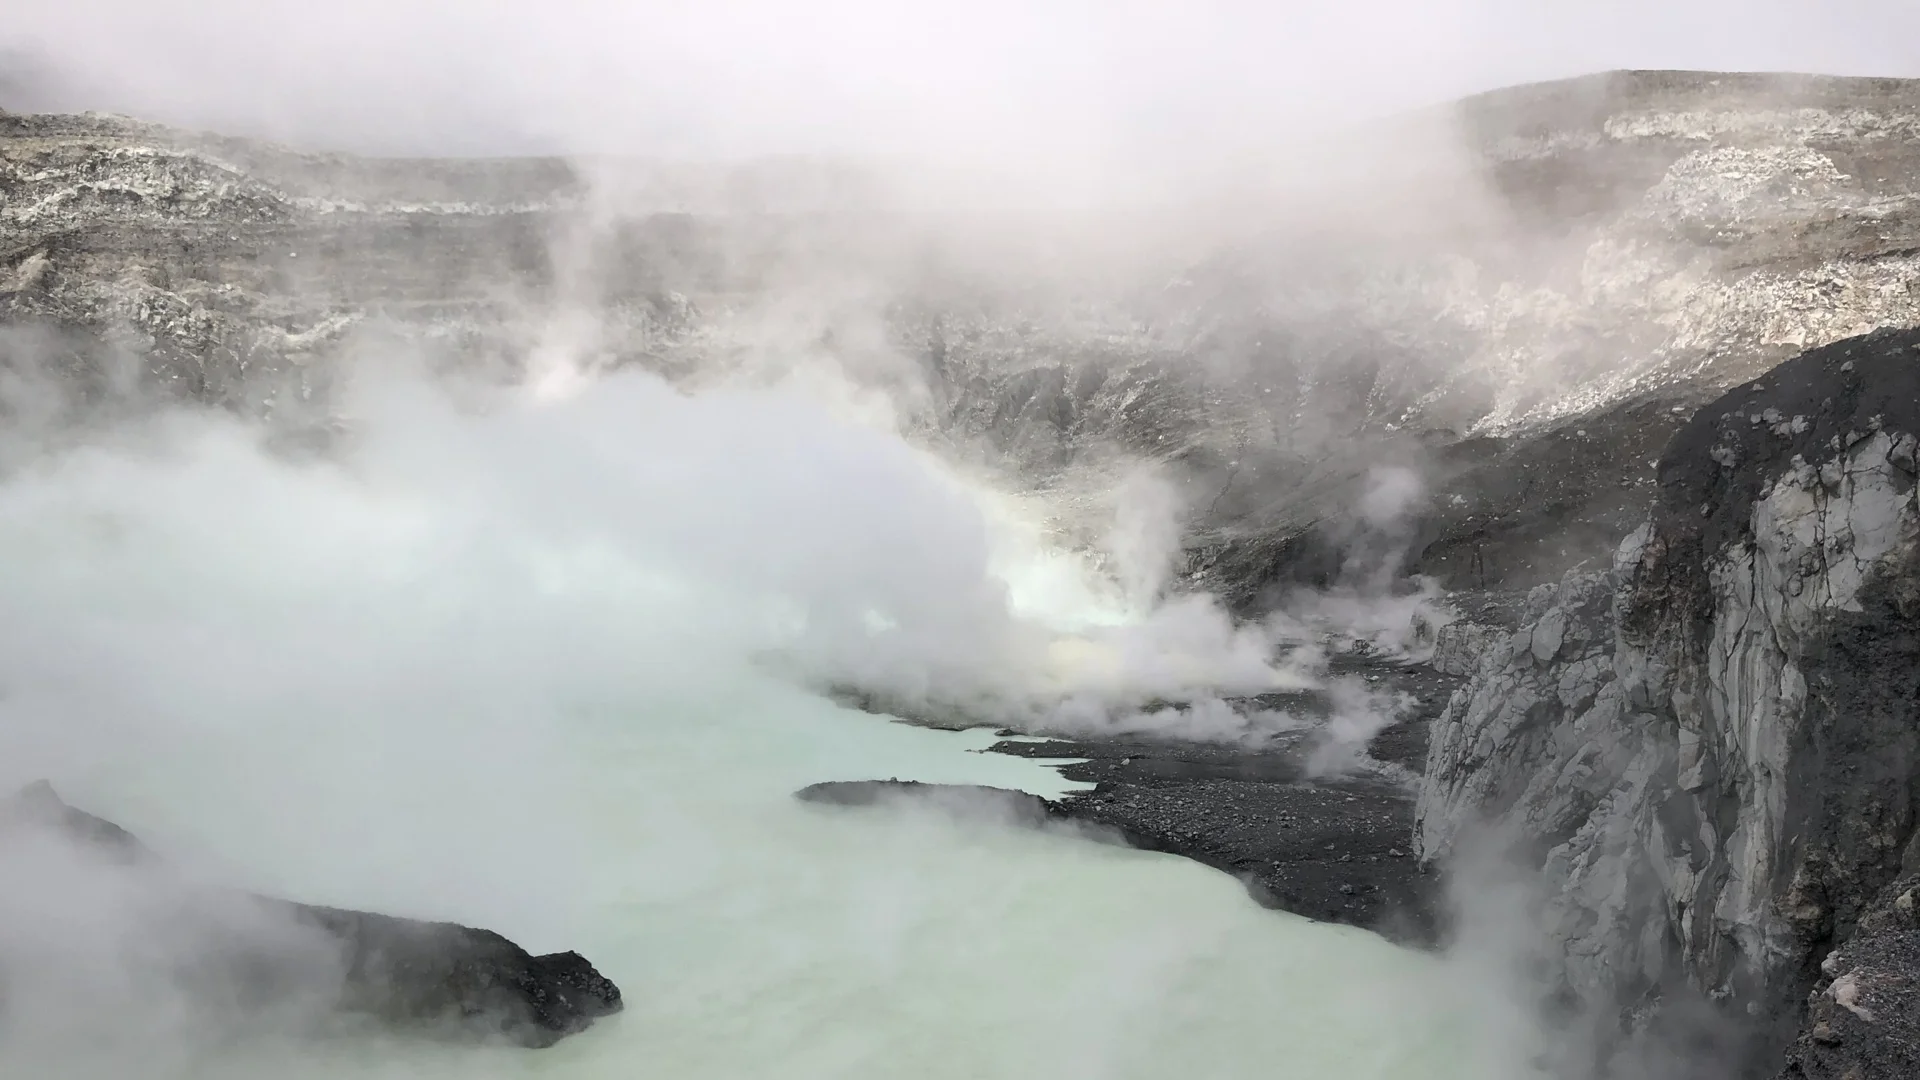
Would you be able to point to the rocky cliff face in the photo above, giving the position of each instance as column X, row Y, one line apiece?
column 1711, row 750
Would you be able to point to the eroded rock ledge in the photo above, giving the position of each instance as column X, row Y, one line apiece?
column 1711, row 750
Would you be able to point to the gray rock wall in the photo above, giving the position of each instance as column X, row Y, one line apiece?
column 1711, row 751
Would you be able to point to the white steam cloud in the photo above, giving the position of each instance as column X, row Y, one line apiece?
column 413, row 613
column 431, row 76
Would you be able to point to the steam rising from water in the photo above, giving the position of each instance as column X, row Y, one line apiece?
column 502, row 667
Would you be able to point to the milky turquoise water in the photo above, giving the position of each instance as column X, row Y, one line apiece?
column 758, row 937
column 501, row 676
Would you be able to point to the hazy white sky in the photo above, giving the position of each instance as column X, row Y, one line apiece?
column 704, row 76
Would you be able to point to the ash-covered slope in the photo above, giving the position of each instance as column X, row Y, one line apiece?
column 1711, row 751
column 1465, row 290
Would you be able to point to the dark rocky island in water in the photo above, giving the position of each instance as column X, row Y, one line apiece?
column 241, row 954
column 1647, row 338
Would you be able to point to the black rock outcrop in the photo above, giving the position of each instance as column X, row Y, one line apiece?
column 438, row 978
column 1329, row 850
column 963, row 800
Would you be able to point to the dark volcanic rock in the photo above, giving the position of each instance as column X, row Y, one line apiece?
column 964, row 800
column 433, row 974
column 1335, row 853
column 1330, row 848
column 1332, row 852
column 1863, row 1015
column 441, row 978
column 1525, row 510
